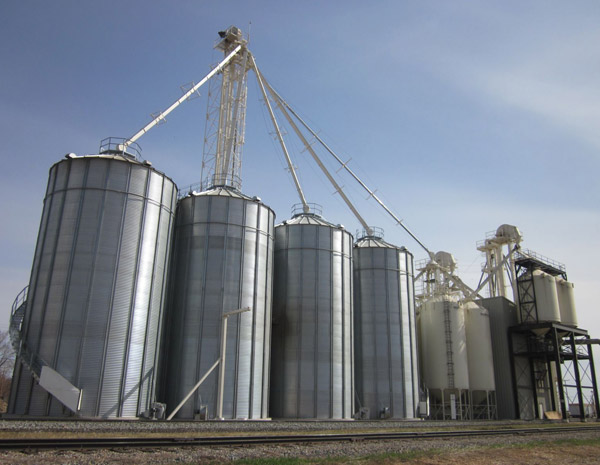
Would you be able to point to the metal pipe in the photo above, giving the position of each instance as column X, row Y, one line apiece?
column 305, row 206
column 164, row 114
column 193, row 390
column 234, row 117
column 221, row 385
column 222, row 369
column 316, row 158
column 356, row 178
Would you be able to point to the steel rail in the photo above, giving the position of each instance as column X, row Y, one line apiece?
column 125, row 442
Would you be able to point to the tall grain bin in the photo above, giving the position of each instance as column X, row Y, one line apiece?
column 481, row 362
column 222, row 261
column 385, row 354
column 97, row 287
column 444, row 357
column 312, row 353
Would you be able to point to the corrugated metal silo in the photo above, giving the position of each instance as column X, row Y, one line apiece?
column 223, row 261
column 385, row 352
column 312, row 353
column 98, row 286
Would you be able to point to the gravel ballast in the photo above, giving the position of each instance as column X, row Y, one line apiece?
column 226, row 454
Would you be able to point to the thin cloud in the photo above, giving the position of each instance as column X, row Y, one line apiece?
column 557, row 81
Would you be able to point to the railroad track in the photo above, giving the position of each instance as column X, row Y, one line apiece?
column 158, row 442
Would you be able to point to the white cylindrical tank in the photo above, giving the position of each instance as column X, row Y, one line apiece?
column 566, row 302
column 443, row 344
column 479, row 348
column 546, row 297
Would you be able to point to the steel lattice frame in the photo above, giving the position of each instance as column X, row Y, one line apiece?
column 553, row 364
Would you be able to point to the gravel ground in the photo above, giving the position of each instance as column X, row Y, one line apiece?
column 189, row 455
column 139, row 426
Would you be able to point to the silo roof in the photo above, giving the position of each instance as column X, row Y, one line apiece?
column 115, row 156
column 223, row 191
column 226, row 192
column 374, row 241
column 310, row 218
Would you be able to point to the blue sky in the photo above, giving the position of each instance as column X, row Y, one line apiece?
column 463, row 115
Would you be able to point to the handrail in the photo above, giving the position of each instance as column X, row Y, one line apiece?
column 21, row 297
column 526, row 253
column 30, row 359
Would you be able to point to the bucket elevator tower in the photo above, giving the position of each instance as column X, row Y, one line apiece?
column 223, row 263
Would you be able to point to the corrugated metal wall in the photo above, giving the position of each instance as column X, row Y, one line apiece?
column 97, row 287
column 503, row 315
column 385, row 351
column 312, row 356
column 223, row 261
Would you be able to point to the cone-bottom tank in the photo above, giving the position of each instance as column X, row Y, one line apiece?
column 312, row 354
column 481, row 362
column 386, row 373
column 479, row 348
column 444, row 344
column 546, row 297
column 566, row 302
column 98, row 285
column 222, row 261
column 444, row 359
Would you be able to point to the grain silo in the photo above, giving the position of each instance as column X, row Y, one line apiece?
column 385, row 355
column 312, row 353
column 481, row 362
column 222, row 261
column 444, row 357
column 97, row 288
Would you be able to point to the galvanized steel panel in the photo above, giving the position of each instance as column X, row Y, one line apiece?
column 222, row 261
column 384, row 325
column 311, row 374
column 101, row 254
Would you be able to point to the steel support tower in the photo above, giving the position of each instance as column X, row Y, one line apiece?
column 553, row 364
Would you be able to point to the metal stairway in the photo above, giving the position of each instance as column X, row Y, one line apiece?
column 33, row 362
column 47, row 378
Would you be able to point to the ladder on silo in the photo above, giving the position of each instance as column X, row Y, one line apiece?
column 449, row 351
column 53, row 382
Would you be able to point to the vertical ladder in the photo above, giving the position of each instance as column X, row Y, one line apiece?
column 449, row 351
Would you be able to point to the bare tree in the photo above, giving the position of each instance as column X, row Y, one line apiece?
column 7, row 362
